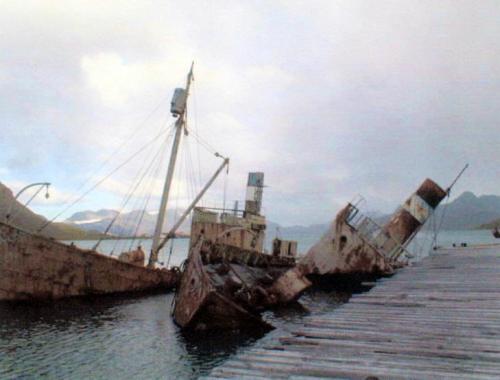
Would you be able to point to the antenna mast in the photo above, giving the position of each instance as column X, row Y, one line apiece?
column 178, row 108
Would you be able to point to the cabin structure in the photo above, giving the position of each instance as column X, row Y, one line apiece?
column 243, row 229
column 284, row 248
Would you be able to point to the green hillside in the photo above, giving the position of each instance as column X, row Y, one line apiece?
column 26, row 219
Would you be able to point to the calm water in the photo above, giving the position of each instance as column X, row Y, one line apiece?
column 135, row 338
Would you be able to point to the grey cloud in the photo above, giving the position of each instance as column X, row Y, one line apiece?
column 330, row 99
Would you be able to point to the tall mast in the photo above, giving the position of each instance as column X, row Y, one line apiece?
column 178, row 107
column 190, row 208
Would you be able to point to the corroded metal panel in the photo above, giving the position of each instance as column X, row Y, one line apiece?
column 284, row 248
column 431, row 193
column 289, row 286
column 418, row 208
column 194, row 289
column 200, row 215
column 225, row 287
column 35, row 267
column 236, row 236
column 356, row 245
column 136, row 257
column 412, row 215
column 401, row 226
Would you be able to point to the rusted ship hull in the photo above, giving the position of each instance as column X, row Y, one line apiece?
column 36, row 268
column 225, row 287
column 356, row 246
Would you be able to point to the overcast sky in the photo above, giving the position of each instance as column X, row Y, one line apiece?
column 329, row 98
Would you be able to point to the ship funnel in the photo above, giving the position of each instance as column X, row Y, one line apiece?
column 253, row 200
column 412, row 215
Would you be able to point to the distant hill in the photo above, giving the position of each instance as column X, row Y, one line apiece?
column 466, row 212
column 126, row 224
column 26, row 219
column 86, row 216
column 469, row 211
column 490, row 225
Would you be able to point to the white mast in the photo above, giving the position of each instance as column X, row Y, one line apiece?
column 178, row 107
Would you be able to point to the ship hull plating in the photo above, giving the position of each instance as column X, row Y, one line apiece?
column 225, row 287
column 37, row 268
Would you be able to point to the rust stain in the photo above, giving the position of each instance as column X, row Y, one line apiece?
column 431, row 192
column 33, row 267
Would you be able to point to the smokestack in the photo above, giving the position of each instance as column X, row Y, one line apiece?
column 253, row 200
column 412, row 215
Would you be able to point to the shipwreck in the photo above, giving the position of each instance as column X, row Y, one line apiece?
column 36, row 268
column 227, row 277
column 356, row 246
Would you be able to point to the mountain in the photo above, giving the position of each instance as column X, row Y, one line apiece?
column 469, row 211
column 88, row 216
column 26, row 219
column 125, row 224
column 466, row 212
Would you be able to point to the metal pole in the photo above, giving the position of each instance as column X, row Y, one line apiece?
column 171, row 233
column 170, row 175
column 456, row 178
column 46, row 184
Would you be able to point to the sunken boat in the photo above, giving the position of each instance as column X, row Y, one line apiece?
column 227, row 276
column 36, row 267
column 356, row 247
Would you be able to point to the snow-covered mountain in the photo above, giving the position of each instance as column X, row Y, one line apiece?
column 126, row 224
column 85, row 217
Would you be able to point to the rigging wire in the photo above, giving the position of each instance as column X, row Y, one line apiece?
column 205, row 144
column 137, row 181
column 133, row 216
column 149, row 193
column 448, row 191
column 125, row 202
column 196, row 131
column 225, row 190
column 190, row 172
column 135, row 154
column 177, row 194
column 445, row 207
column 117, row 149
column 170, row 253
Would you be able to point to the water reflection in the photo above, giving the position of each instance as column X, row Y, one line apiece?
column 107, row 338
column 135, row 338
column 110, row 337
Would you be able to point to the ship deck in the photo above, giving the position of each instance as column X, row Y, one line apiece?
column 439, row 318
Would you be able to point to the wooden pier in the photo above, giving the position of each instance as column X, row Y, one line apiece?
column 438, row 319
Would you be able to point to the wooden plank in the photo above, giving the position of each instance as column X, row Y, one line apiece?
column 437, row 319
